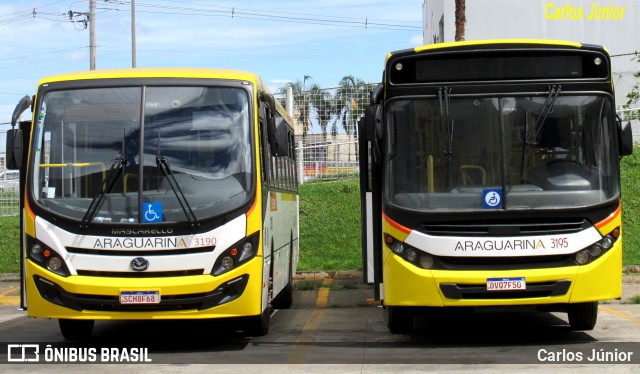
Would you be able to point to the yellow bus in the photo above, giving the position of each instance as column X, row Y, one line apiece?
column 490, row 178
column 156, row 194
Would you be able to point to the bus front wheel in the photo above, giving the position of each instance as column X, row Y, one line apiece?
column 76, row 329
column 259, row 325
column 583, row 316
column 399, row 319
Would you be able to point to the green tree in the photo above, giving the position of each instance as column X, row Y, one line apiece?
column 323, row 104
column 633, row 97
column 351, row 98
column 301, row 103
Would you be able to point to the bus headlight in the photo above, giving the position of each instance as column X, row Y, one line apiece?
column 54, row 264
column 46, row 257
column 598, row 248
column 237, row 254
column 426, row 261
column 408, row 253
column 582, row 257
column 397, row 248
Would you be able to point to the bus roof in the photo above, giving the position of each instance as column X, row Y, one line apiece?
column 155, row 73
column 492, row 42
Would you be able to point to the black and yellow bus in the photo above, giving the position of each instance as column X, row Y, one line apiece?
column 155, row 194
column 490, row 177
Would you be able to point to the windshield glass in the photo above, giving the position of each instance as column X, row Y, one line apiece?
column 106, row 141
column 472, row 154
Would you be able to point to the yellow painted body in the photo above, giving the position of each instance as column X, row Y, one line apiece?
column 247, row 304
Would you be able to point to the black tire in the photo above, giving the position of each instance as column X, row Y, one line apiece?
column 76, row 329
column 399, row 319
column 583, row 316
column 258, row 325
column 284, row 300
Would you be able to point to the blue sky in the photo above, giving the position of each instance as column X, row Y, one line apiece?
column 280, row 40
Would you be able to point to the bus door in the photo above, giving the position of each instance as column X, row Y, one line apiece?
column 370, row 190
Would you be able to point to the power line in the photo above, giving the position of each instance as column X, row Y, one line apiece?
column 40, row 54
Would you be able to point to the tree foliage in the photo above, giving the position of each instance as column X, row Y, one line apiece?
column 633, row 97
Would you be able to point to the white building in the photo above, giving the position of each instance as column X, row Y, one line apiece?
column 614, row 24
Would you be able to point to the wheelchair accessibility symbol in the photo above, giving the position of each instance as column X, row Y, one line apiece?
column 151, row 212
column 492, row 198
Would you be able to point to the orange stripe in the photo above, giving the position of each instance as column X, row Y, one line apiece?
column 255, row 202
column 607, row 220
column 27, row 208
column 396, row 224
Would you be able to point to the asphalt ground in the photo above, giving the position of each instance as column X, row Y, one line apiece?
column 333, row 319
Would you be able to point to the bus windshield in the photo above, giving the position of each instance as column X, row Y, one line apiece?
column 128, row 152
column 535, row 152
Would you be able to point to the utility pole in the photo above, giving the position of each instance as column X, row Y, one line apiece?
column 92, row 34
column 133, row 33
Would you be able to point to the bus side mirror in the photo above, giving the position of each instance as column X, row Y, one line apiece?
column 626, row 140
column 14, row 137
column 14, row 149
column 23, row 104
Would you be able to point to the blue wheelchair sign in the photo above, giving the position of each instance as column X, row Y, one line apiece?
column 492, row 198
column 151, row 212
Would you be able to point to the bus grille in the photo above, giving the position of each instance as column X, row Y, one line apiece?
column 140, row 274
column 505, row 228
column 479, row 291
column 504, row 263
column 223, row 294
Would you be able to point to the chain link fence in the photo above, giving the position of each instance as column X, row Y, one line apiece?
column 326, row 127
column 9, row 185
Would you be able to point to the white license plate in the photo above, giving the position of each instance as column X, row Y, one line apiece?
column 506, row 284
column 139, row 297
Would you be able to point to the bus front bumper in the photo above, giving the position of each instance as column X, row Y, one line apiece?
column 407, row 285
column 236, row 293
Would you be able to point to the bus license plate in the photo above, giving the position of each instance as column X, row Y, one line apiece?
column 139, row 297
column 506, row 284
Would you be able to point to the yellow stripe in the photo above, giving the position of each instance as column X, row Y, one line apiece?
column 620, row 314
column 302, row 347
column 323, row 294
column 9, row 300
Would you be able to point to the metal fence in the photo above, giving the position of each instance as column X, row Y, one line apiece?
column 326, row 127
column 9, row 186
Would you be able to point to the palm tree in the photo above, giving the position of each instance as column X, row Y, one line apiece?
column 301, row 103
column 323, row 104
column 461, row 19
column 351, row 100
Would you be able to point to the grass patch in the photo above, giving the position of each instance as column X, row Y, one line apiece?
column 10, row 244
column 630, row 175
column 633, row 300
column 330, row 226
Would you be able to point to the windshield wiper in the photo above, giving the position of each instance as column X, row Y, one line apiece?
column 443, row 96
column 163, row 165
column 113, row 174
column 547, row 108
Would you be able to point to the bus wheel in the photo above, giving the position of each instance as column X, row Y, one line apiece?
column 76, row 329
column 259, row 325
column 399, row 319
column 583, row 316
